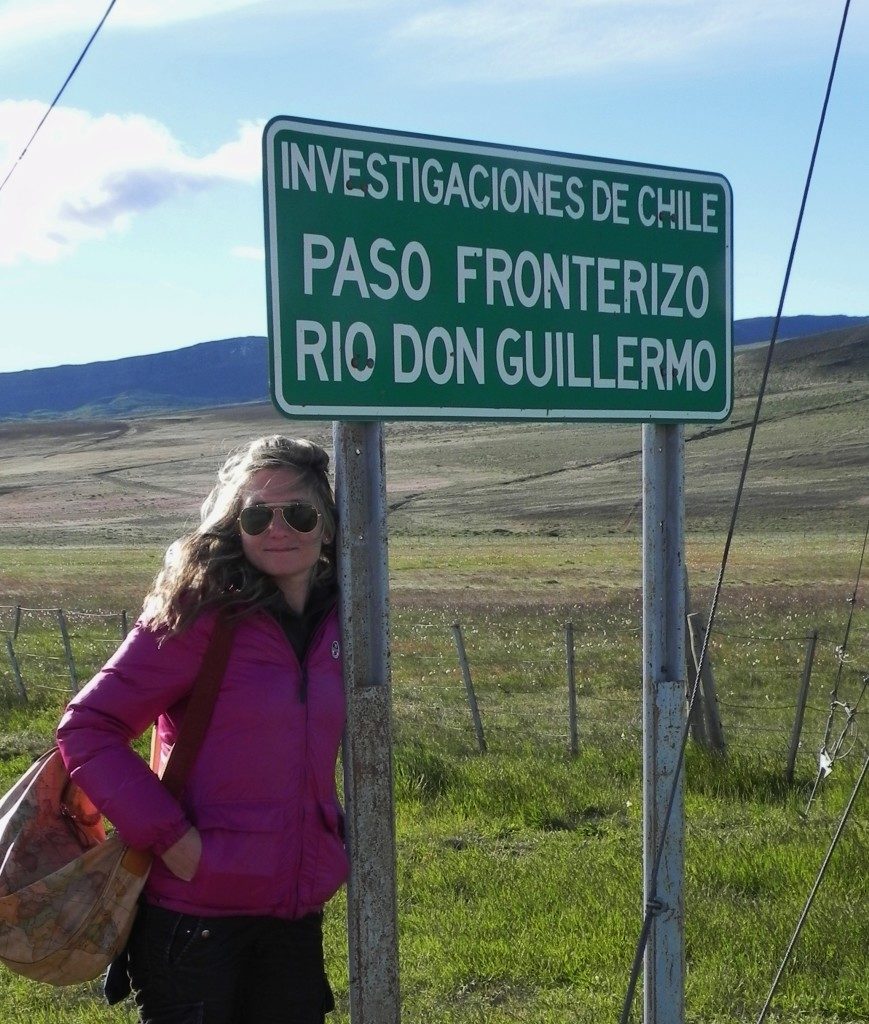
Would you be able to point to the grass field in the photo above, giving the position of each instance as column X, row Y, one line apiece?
column 520, row 871
column 520, row 884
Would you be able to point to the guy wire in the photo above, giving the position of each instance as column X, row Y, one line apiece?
column 812, row 893
column 834, row 696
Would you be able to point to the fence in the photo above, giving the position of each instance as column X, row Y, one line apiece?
column 497, row 683
column 50, row 651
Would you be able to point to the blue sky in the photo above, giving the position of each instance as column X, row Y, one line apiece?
column 134, row 224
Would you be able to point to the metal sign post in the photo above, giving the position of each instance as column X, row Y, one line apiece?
column 363, row 582
column 663, row 717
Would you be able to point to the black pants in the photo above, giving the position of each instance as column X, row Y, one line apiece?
column 228, row 970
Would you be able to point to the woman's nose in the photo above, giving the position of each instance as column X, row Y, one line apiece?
column 278, row 523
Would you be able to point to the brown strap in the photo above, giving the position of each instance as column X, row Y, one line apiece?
column 200, row 707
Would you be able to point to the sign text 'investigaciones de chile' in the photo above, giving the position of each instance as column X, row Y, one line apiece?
column 413, row 277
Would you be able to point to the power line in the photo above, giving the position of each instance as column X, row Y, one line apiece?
column 653, row 905
column 59, row 94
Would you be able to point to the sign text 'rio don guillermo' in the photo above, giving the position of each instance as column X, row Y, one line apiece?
column 415, row 277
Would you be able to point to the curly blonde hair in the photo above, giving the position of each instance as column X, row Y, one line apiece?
column 207, row 568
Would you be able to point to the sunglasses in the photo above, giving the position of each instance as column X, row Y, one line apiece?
column 298, row 515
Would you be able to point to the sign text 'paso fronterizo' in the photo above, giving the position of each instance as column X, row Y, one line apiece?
column 413, row 277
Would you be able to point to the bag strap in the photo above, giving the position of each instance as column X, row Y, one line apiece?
column 200, row 706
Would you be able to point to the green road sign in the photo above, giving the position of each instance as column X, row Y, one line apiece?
column 415, row 277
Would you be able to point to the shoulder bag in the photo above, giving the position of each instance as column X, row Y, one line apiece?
column 68, row 894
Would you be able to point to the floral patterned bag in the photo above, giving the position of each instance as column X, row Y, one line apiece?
column 68, row 894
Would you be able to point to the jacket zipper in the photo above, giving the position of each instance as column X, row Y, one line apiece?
column 312, row 642
column 303, row 699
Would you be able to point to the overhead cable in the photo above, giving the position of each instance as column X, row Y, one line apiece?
column 59, row 94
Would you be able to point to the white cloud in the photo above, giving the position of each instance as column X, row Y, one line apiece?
column 484, row 39
column 250, row 252
column 85, row 177
column 24, row 22
column 510, row 40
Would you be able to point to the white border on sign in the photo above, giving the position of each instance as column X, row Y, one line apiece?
column 311, row 127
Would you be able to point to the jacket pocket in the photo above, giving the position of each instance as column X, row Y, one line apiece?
column 330, row 865
column 243, row 853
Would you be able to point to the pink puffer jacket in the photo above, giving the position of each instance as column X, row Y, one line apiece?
column 262, row 790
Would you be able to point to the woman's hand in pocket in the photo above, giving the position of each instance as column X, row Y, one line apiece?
column 182, row 857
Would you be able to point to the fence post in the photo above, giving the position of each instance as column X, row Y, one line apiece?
column 697, row 718
column 124, row 627
column 70, row 664
column 16, row 625
column 697, row 630
column 469, row 687
column 802, row 696
column 16, row 670
column 571, row 688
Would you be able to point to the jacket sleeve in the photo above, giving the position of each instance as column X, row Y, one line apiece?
column 146, row 676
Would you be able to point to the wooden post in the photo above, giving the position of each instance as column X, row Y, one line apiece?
column 571, row 688
column 714, row 731
column 697, row 718
column 124, row 626
column 802, row 696
column 70, row 663
column 16, row 670
column 469, row 687
column 16, row 625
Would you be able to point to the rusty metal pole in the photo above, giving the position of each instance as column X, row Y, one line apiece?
column 363, row 577
column 663, row 718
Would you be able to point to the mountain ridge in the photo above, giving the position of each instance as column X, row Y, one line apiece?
column 234, row 371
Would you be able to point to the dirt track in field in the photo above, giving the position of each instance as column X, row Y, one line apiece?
column 142, row 479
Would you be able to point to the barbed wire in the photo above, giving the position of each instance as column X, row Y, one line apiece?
column 761, row 638
column 524, row 696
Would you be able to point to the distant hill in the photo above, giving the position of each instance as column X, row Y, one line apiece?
column 235, row 370
column 759, row 328
column 226, row 372
column 841, row 355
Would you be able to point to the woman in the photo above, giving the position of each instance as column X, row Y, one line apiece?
column 230, row 927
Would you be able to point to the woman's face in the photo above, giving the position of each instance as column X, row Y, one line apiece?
column 286, row 555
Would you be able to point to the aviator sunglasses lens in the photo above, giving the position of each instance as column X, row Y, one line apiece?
column 301, row 517
column 255, row 519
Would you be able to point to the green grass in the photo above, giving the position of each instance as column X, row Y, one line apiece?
column 520, row 871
